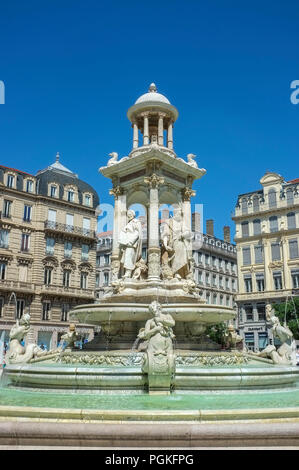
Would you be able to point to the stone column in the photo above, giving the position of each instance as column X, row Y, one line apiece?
column 161, row 129
column 154, row 254
column 135, row 135
column 145, row 128
column 170, row 135
column 117, row 192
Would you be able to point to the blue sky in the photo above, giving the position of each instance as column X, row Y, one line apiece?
column 72, row 69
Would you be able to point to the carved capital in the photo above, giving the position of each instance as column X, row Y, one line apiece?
column 116, row 191
column 154, row 180
column 187, row 193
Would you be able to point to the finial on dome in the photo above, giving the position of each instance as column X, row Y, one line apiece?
column 57, row 156
column 152, row 88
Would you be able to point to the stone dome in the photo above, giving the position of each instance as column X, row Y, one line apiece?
column 152, row 96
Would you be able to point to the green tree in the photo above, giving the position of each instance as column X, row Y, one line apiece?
column 216, row 333
column 289, row 311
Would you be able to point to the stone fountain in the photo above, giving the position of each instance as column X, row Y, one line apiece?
column 153, row 321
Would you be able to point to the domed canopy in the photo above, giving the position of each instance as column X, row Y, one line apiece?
column 152, row 96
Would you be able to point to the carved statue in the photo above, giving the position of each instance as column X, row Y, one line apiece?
column 286, row 353
column 130, row 241
column 113, row 159
column 140, row 270
column 191, row 160
column 158, row 337
column 21, row 354
column 232, row 338
column 176, row 243
column 70, row 336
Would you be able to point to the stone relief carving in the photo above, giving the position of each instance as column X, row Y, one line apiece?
column 232, row 338
column 140, row 270
column 210, row 360
column 102, row 359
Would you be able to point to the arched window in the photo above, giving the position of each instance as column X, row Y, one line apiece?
column 290, row 196
column 273, row 223
column 272, row 197
column 256, row 227
column 291, row 220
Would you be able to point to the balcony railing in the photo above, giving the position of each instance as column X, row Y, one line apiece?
column 16, row 285
column 69, row 229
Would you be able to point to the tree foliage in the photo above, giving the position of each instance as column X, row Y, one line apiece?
column 216, row 333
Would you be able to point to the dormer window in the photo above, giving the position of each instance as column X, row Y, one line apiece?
column 70, row 196
column 29, row 186
column 53, row 190
column 10, row 181
column 87, row 200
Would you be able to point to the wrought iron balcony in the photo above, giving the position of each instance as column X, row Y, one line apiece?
column 69, row 229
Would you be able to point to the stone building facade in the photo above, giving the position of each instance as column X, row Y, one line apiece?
column 267, row 236
column 47, row 249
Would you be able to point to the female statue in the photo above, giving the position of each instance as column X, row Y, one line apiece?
column 130, row 241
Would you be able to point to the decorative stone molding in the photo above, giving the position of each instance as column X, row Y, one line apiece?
column 24, row 260
column 154, row 267
column 154, row 181
column 85, row 267
column 50, row 261
column 116, row 191
column 135, row 359
column 210, row 360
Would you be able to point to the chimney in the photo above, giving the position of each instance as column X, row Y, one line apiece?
column 196, row 222
column 210, row 227
column 226, row 233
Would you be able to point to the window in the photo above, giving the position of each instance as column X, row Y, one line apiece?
column 248, row 312
column 220, row 263
column 295, row 278
column 106, row 260
column 69, row 222
column 244, row 206
column 290, row 197
column 221, row 300
column 275, row 251
column 50, row 243
column 83, row 280
column 20, row 308
column 208, row 298
column 200, row 277
column 207, row 259
column 25, row 242
column 277, row 279
column 70, row 196
column 207, row 278
column 214, row 259
column 263, row 340
column 293, row 248
column 10, row 181
column 246, row 255
column 272, row 198
column 53, row 191
column 291, row 220
column 97, row 280
column 227, row 283
column 46, row 310
column 4, row 236
column 1, row 307
column 273, row 223
column 84, row 252
column 248, row 283
column 68, row 249
column 260, row 282
column 27, row 213
column 220, row 282
column 249, row 341
column 233, row 284
column 214, row 299
column 86, row 226
column 87, row 200
column 256, row 227
column 29, row 186
column 64, row 312
column 7, row 208
column 3, row 267
column 47, row 276
column 256, row 203
column 200, row 257
column 214, row 280
column 245, row 229
column 66, row 278
column 106, row 279
column 144, row 253
column 227, row 301
column 261, row 311
column 258, row 253
column 51, row 218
